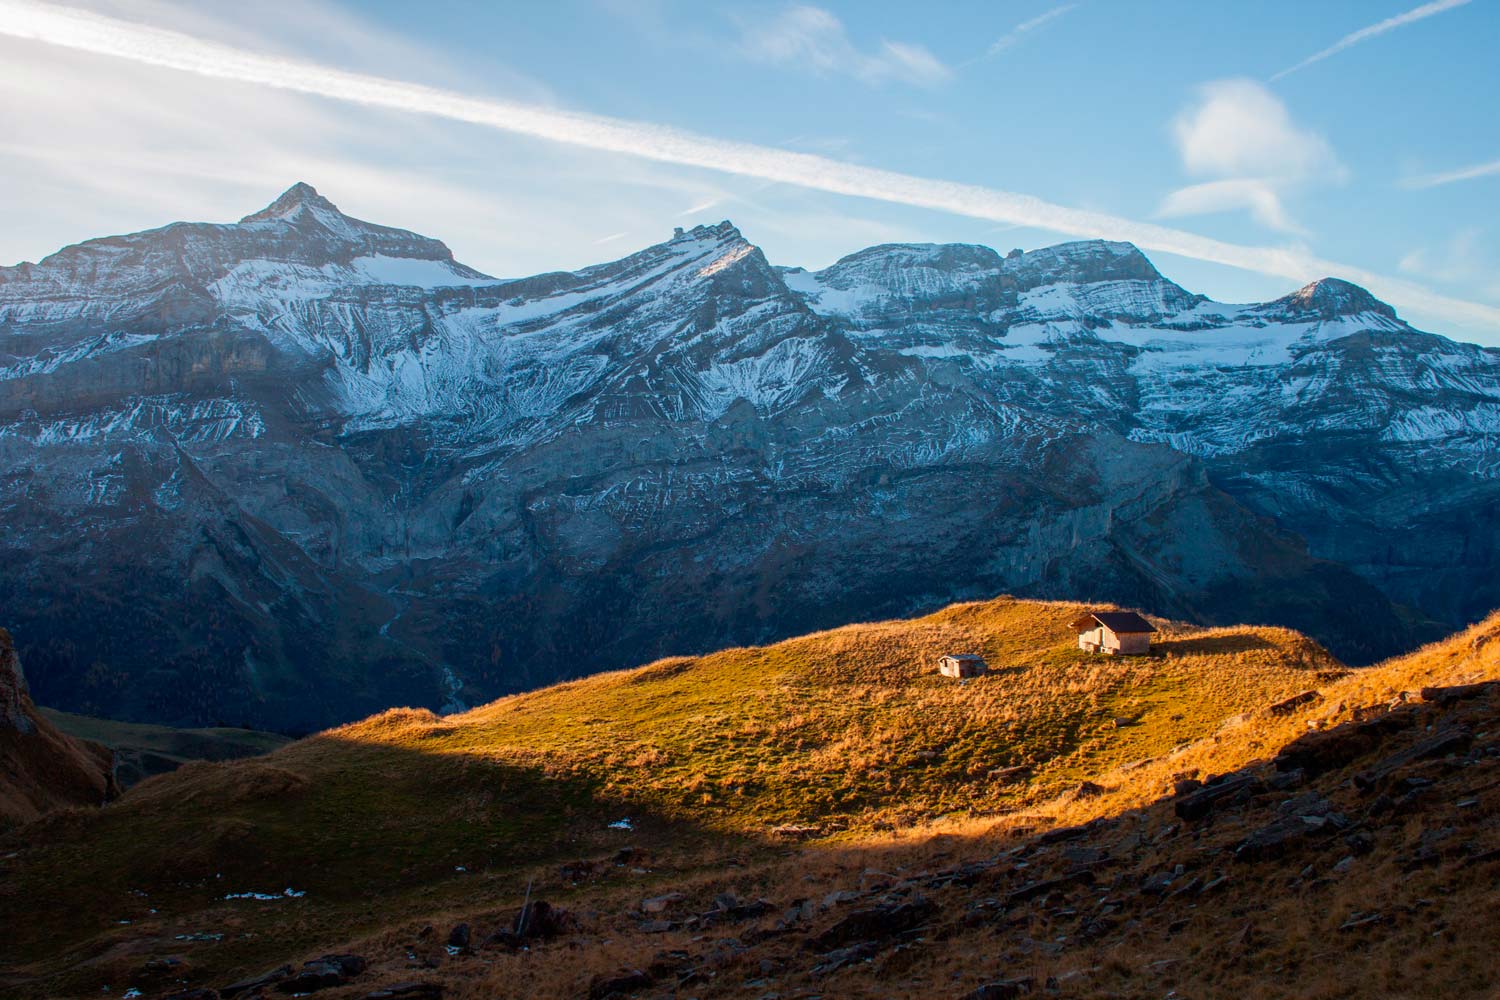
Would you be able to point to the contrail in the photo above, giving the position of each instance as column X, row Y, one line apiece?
column 1454, row 176
column 89, row 32
column 1014, row 35
column 1365, row 34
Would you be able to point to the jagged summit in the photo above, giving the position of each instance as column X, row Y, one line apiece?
column 318, row 221
column 296, row 199
column 720, row 231
column 1329, row 298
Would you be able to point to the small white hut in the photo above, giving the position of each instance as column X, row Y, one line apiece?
column 961, row 665
column 1118, row 633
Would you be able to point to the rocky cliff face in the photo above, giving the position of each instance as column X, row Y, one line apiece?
column 296, row 469
column 15, row 699
column 41, row 768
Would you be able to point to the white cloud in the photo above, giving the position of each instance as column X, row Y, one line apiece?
column 1379, row 28
column 1240, row 194
column 1241, row 136
column 155, row 47
column 1020, row 31
column 1454, row 176
column 1238, row 128
column 815, row 38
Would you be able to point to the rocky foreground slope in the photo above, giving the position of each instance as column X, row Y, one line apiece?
column 296, row 469
column 1235, row 815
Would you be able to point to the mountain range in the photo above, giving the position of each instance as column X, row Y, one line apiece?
column 293, row 470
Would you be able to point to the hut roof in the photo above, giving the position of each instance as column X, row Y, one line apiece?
column 1119, row 622
column 962, row 656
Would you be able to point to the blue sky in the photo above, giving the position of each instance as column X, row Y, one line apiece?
column 1288, row 139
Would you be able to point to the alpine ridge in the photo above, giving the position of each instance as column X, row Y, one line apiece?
column 296, row 469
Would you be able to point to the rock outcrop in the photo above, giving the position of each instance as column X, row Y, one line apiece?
column 40, row 768
column 15, row 699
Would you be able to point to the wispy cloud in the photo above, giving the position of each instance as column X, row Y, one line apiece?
column 1454, row 176
column 1375, row 30
column 1242, row 137
column 1464, row 258
column 816, row 38
column 93, row 33
column 1020, row 31
column 610, row 238
column 702, row 206
column 1249, row 194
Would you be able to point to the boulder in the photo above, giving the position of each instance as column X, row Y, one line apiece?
column 1287, row 706
column 538, row 920
column 1275, row 839
column 408, row 991
column 840, row 957
column 739, row 911
column 1439, row 744
column 577, row 871
column 1446, row 696
column 620, row 984
column 261, row 982
column 876, row 923
column 1002, row 989
column 1030, row 891
column 323, row 973
column 1327, row 750
column 662, row 903
column 1083, row 790
column 1157, row 883
column 1197, row 804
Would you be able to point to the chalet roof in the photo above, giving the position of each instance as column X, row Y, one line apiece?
column 962, row 656
column 1119, row 622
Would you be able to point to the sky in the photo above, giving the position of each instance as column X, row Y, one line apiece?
column 1246, row 147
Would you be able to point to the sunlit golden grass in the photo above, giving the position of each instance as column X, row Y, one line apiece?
column 1242, row 738
column 854, row 728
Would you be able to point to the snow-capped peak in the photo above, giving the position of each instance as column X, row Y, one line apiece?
column 1082, row 262
column 299, row 198
column 724, row 230
column 1329, row 298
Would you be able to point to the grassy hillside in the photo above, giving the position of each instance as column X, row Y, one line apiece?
column 854, row 727
column 847, row 737
column 1357, row 856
